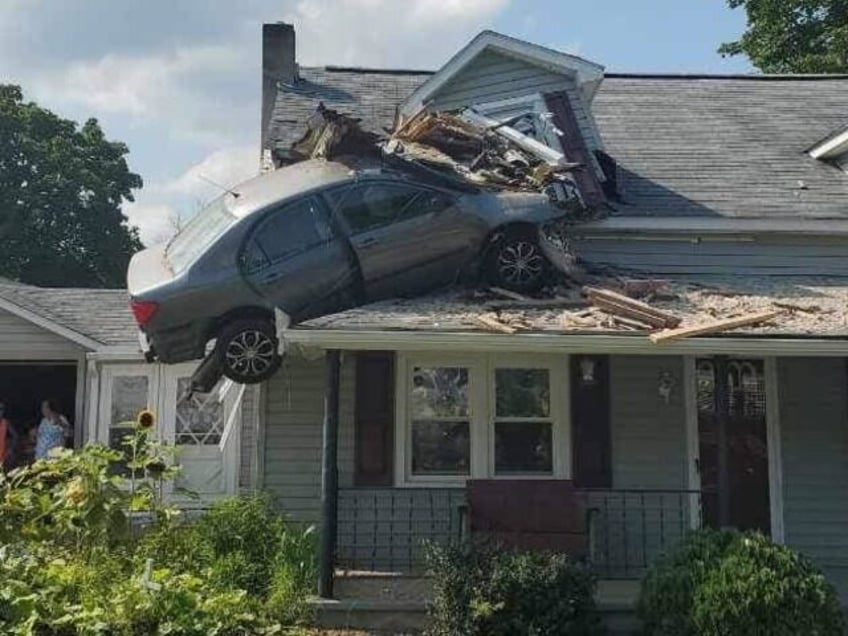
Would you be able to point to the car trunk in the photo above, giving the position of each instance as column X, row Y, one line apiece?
column 148, row 269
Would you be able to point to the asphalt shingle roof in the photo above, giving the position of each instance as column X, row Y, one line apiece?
column 730, row 146
column 102, row 315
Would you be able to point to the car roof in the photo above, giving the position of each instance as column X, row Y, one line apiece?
column 277, row 185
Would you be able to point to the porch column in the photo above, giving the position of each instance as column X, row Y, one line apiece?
column 722, row 406
column 329, row 476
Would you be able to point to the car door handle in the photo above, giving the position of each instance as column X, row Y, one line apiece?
column 368, row 242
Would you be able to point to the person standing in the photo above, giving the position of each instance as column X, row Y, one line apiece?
column 8, row 439
column 52, row 432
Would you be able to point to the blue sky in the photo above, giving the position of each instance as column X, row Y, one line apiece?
column 178, row 80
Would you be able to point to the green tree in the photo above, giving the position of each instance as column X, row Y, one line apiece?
column 61, row 191
column 793, row 36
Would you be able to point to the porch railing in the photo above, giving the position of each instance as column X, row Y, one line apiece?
column 385, row 529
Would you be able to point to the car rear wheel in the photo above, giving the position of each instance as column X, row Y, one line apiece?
column 517, row 262
column 247, row 351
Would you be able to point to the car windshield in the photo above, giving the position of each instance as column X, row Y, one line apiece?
column 209, row 224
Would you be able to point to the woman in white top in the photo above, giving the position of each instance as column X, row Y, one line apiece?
column 52, row 432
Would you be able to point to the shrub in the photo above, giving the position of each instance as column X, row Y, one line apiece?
column 718, row 583
column 480, row 590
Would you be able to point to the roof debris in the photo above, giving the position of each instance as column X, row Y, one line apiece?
column 714, row 327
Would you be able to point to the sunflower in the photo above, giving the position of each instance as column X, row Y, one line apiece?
column 145, row 420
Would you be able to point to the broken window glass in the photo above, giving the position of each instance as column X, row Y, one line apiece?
column 441, row 438
column 440, row 448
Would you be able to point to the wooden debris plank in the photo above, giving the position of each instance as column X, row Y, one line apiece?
column 493, row 324
column 622, row 305
column 506, row 293
column 536, row 303
column 714, row 327
column 634, row 324
column 807, row 309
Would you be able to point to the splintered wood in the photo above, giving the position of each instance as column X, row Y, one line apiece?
column 491, row 322
column 631, row 310
column 714, row 327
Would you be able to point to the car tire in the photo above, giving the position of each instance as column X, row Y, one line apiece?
column 247, row 351
column 516, row 262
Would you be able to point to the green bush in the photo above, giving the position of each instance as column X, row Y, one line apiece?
column 480, row 590
column 718, row 583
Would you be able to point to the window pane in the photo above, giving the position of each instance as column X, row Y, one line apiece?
column 129, row 396
column 204, row 229
column 200, row 418
column 523, row 447
column 439, row 392
column 291, row 231
column 440, row 448
column 374, row 206
column 425, row 203
column 522, row 393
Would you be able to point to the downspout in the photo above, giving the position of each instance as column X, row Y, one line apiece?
column 329, row 476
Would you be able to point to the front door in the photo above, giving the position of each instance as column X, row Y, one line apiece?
column 734, row 454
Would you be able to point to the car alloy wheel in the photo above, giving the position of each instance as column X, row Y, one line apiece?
column 250, row 353
column 520, row 263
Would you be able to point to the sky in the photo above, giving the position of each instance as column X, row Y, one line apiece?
column 178, row 80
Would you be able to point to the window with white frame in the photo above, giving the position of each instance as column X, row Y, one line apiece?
column 480, row 416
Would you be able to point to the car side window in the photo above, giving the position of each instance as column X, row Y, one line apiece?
column 427, row 202
column 294, row 229
column 372, row 206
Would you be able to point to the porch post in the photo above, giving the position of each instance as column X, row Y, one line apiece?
column 722, row 405
column 329, row 476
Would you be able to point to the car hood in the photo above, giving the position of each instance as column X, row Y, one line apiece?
column 148, row 269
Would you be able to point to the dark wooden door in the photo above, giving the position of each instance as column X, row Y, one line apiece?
column 732, row 432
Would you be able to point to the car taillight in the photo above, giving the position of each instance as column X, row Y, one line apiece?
column 143, row 311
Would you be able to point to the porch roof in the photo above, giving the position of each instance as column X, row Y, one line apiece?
column 811, row 308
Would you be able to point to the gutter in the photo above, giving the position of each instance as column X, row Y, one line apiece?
column 563, row 343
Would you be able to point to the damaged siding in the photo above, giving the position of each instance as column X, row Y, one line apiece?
column 293, row 427
column 693, row 255
column 813, row 412
column 249, row 435
column 493, row 77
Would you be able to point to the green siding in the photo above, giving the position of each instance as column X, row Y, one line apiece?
column 648, row 435
column 293, row 424
column 813, row 411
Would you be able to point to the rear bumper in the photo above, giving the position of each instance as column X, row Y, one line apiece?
column 174, row 345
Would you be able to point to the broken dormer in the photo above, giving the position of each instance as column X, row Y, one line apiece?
column 543, row 93
column 833, row 148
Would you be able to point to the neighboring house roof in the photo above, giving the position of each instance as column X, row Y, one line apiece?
column 724, row 146
column 93, row 318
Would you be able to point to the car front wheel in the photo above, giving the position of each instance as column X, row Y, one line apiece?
column 247, row 351
column 517, row 262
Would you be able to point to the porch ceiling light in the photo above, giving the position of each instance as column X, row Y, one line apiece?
column 587, row 371
column 665, row 386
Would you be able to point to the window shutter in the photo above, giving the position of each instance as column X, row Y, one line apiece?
column 590, row 422
column 374, row 418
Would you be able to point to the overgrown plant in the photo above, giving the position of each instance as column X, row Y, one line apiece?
column 718, row 583
column 481, row 590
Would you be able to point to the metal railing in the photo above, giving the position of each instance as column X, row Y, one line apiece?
column 385, row 529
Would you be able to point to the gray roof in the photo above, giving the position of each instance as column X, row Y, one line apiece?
column 731, row 146
column 102, row 315
column 727, row 146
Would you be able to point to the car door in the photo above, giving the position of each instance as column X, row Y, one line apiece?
column 297, row 261
column 407, row 238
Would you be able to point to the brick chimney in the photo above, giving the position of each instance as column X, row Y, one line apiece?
column 279, row 64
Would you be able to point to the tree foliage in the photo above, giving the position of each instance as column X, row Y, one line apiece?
column 61, row 191
column 793, row 36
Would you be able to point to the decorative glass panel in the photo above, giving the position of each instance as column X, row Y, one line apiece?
column 439, row 392
column 523, row 447
column 200, row 418
column 129, row 396
column 522, row 393
column 440, row 448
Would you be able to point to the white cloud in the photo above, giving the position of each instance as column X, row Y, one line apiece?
column 420, row 34
column 161, row 207
column 156, row 222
